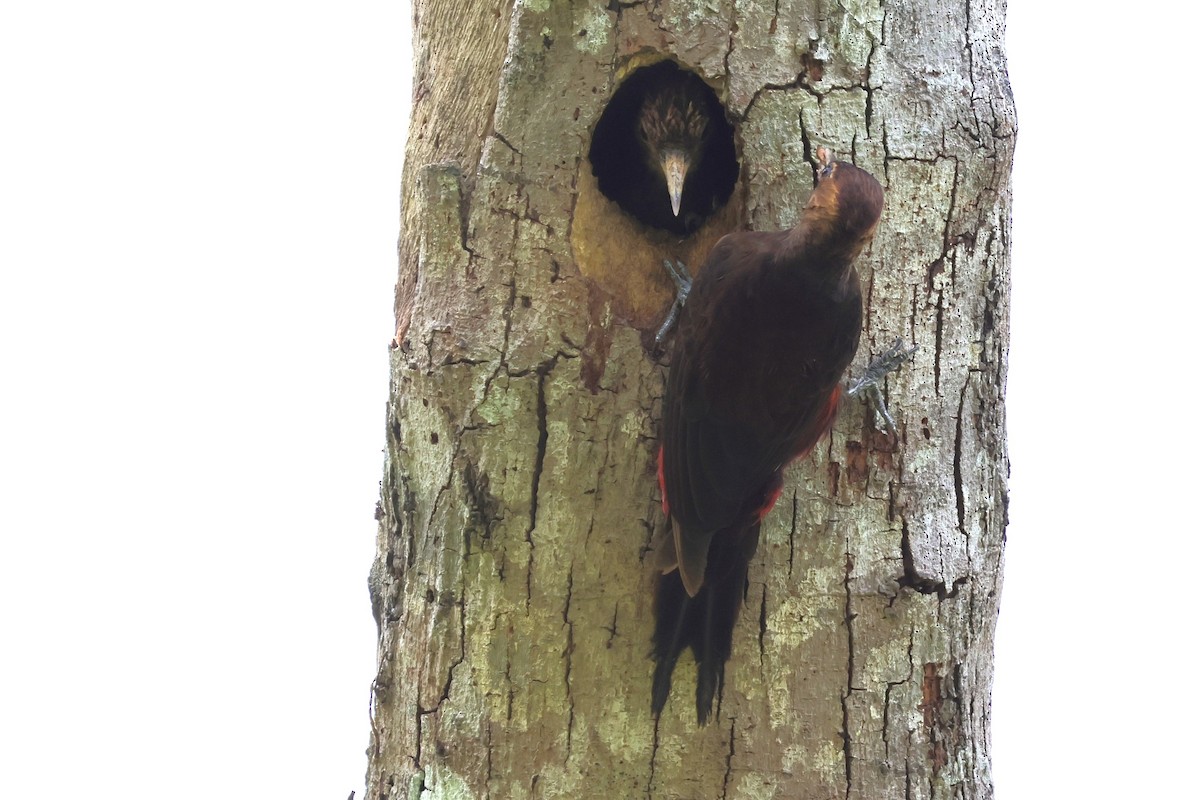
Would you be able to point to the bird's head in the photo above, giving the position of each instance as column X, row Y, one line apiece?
column 845, row 207
column 672, row 128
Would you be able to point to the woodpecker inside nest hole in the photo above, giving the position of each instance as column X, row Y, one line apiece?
column 663, row 149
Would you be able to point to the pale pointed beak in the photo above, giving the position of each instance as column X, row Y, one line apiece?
column 675, row 167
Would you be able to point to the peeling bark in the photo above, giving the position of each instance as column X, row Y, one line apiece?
column 518, row 501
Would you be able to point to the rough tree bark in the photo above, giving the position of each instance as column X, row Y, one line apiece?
column 512, row 586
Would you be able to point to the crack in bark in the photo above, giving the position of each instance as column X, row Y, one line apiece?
column 617, row 6
column 653, row 760
column 887, row 157
column 728, row 762
column 887, row 706
column 721, row 688
column 612, row 629
column 937, row 347
column 542, row 371
column 729, row 42
column 792, row 532
column 798, row 82
column 445, row 487
column 540, row 454
column 762, row 627
column 869, row 111
column 948, row 241
column 567, row 656
column 960, row 501
column 849, row 620
column 501, row 138
column 511, row 690
column 807, row 148
column 464, row 221
column 912, row 579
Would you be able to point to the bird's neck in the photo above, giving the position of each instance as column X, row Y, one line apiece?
column 813, row 244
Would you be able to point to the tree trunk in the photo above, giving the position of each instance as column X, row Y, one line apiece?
column 512, row 587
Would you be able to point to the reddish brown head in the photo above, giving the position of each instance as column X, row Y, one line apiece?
column 673, row 127
column 844, row 209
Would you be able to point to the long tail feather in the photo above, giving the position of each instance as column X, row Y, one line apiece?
column 672, row 608
column 704, row 623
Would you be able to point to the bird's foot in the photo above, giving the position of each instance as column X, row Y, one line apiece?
column 889, row 360
column 683, row 284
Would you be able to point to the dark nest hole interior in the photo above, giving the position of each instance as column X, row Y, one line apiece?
column 661, row 115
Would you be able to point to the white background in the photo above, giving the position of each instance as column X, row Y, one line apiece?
column 198, row 215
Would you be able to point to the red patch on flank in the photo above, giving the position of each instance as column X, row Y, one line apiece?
column 772, row 499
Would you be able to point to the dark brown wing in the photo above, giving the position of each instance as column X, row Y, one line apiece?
column 760, row 352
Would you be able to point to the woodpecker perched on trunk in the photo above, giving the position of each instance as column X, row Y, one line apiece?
column 770, row 325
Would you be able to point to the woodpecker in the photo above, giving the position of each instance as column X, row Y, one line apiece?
column 769, row 326
column 672, row 128
column 663, row 149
